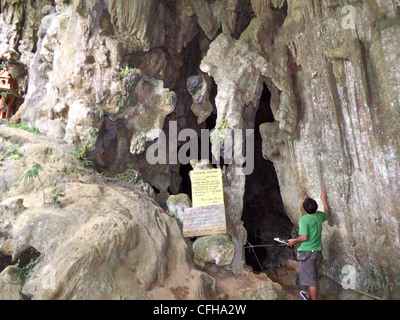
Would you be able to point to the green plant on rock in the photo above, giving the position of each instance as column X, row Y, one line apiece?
column 127, row 71
column 82, row 151
column 24, row 272
column 223, row 124
column 100, row 109
column 128, row 176
column 4, row 137
column 16, row 154
column 54, row 199
column 24, row 127
column 32, row 174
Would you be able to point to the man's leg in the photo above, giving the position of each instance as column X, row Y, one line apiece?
column 312, row 293
column 308, row 270
column 313, row 290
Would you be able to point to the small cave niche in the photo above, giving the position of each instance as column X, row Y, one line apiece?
column 24, row 259
column 5, row 261
column 27, row 258
column 210, row 123
column 186, row 185
column 245, row 15
column 263, row 213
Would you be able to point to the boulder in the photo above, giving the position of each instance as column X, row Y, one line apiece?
column 218, row 249
column 99, row 241
column 177, row 205
column 10, row 285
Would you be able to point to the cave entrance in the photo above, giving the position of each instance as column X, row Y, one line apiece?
column 210, row 123
column 263, row 213
column 186, row 184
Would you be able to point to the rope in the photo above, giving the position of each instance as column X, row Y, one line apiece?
column 252, row 248
column 264, row 245
column 355, row 290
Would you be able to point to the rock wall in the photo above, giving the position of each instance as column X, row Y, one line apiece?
column 336, row 106
column 345, row 137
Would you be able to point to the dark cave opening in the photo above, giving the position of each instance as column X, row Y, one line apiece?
column 5, row 261
column 263, row 213
column 210, row 123
column 186, row 185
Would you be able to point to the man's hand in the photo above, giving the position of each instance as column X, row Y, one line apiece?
column 323, row 194
column 323, row 198
column 292, row 242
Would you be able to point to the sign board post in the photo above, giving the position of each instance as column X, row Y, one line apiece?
column 207, row 216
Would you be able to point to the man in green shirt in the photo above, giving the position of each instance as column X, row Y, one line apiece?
column 310, row 249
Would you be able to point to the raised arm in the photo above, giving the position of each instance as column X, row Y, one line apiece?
column 323, row 199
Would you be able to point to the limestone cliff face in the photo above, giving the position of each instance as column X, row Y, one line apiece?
column 335, row 99
column 334, row 76
column 344, row 133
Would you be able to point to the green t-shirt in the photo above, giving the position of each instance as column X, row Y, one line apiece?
column 311, row 226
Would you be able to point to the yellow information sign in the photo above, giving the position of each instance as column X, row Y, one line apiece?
column 207, row 217
column 207, row 188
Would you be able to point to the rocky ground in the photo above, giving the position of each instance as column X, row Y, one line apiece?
column 69, row 233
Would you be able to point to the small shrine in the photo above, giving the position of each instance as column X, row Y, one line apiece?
column 8, row 94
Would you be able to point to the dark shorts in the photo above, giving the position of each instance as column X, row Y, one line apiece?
column 308, row 269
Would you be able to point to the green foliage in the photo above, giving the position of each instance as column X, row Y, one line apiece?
column 127, row 71
column 23, row 126
column 128, row 176
column 54, row 199
column 32, row 174
column 16, row 154
column 81, row 152
column 101, row 110
column 24, row 272
column 4, row 137
column 87, row 162
column 223, row 124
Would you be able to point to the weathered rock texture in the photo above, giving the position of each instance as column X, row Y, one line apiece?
column 99, row 241
column 344, row 133
column 335, row 100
